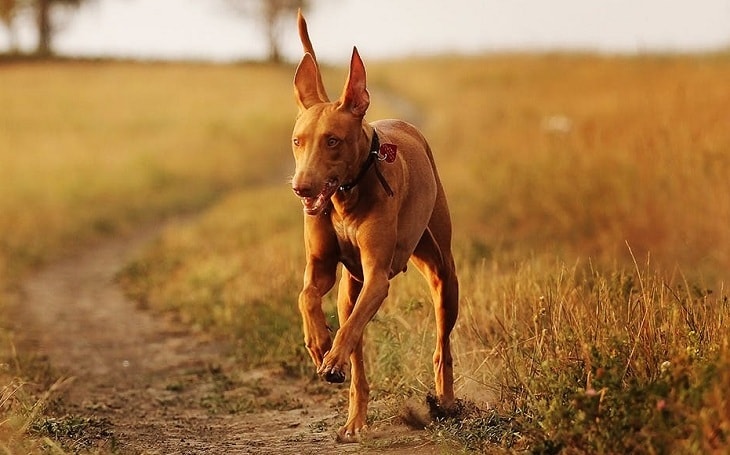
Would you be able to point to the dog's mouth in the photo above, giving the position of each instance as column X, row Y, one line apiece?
column 315, row 204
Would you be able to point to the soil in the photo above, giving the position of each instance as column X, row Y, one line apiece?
column 143, row 383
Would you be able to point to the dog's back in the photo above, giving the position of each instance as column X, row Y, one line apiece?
column 415, row 148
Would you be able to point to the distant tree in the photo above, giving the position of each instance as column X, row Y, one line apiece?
column 271, row 14
column 8, row 10
column 44, row 22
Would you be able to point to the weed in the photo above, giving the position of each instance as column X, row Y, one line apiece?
column 281, row 403
column 479, row 430
column 175, row 387
column 76, row 434
column 320, row 426
column 27, row 398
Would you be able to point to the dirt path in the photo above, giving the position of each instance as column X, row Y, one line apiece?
column 161, row 389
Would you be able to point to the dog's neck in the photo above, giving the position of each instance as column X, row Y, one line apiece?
column 349, row 193
column 366, row 163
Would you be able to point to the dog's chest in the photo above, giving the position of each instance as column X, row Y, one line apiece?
column 349, row 250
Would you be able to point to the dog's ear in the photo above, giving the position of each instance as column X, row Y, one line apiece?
column 309, row 49
column 306, row 88
column 355, row 97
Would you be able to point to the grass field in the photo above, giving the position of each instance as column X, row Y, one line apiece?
column 590, row 199
column 91, row 148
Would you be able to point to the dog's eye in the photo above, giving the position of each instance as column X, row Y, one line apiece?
column 332, row 142
column 296, row 141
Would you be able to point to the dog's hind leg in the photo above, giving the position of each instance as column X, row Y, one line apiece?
column 436, row 264
column 347, row 295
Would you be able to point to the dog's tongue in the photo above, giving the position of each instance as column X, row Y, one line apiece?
column 310, row 202
column 312, row 205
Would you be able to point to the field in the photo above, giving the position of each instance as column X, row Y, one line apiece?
column 589, row 194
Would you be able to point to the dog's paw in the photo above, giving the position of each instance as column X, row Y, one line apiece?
column 332, row 370
column 331, row 374
column 317, row 341
column 351, row 433
column 336, row 377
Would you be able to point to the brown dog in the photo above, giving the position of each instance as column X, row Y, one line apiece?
column 372, row 200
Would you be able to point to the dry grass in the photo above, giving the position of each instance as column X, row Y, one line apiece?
column 88, row 150
column 583, row 153
column 588, row 196
column 590, row 200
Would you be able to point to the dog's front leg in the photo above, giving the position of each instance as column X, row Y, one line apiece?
column 374, row 291
column 319, row 277
column 377, row 247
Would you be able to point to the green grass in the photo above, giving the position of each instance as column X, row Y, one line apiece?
column 592, row 257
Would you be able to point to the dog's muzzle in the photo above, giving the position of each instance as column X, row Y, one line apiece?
column 314, row 204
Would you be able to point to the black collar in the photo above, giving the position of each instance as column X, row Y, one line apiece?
column 373, row 156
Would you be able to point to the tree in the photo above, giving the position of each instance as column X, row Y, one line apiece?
column 44, row 22
column 8, row 10
column 271, row 14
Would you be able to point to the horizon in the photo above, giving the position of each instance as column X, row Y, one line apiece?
column 210, row 32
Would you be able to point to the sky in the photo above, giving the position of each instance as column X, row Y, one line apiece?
column 382, row 29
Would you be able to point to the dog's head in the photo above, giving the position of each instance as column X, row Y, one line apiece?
column 328, row 137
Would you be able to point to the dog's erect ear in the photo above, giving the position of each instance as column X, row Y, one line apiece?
column 306, row 88
column 309, row 49
column 355, row 97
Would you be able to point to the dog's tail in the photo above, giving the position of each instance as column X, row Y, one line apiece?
column 309, row 49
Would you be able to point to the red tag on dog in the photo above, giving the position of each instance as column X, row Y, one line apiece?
column 387, row 152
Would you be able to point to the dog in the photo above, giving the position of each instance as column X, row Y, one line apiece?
column 372, row 201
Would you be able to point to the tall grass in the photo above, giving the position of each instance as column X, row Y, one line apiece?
column 582, row 153
column 595, row 361
column 589, row 198
column 87, row 149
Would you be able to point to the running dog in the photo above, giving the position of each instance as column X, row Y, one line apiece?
column 372, row 200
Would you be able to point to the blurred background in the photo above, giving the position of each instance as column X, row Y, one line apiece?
column 226, row 30
column 583, row 145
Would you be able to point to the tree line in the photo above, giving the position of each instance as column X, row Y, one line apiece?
column 42, row 14
column 269, row 13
